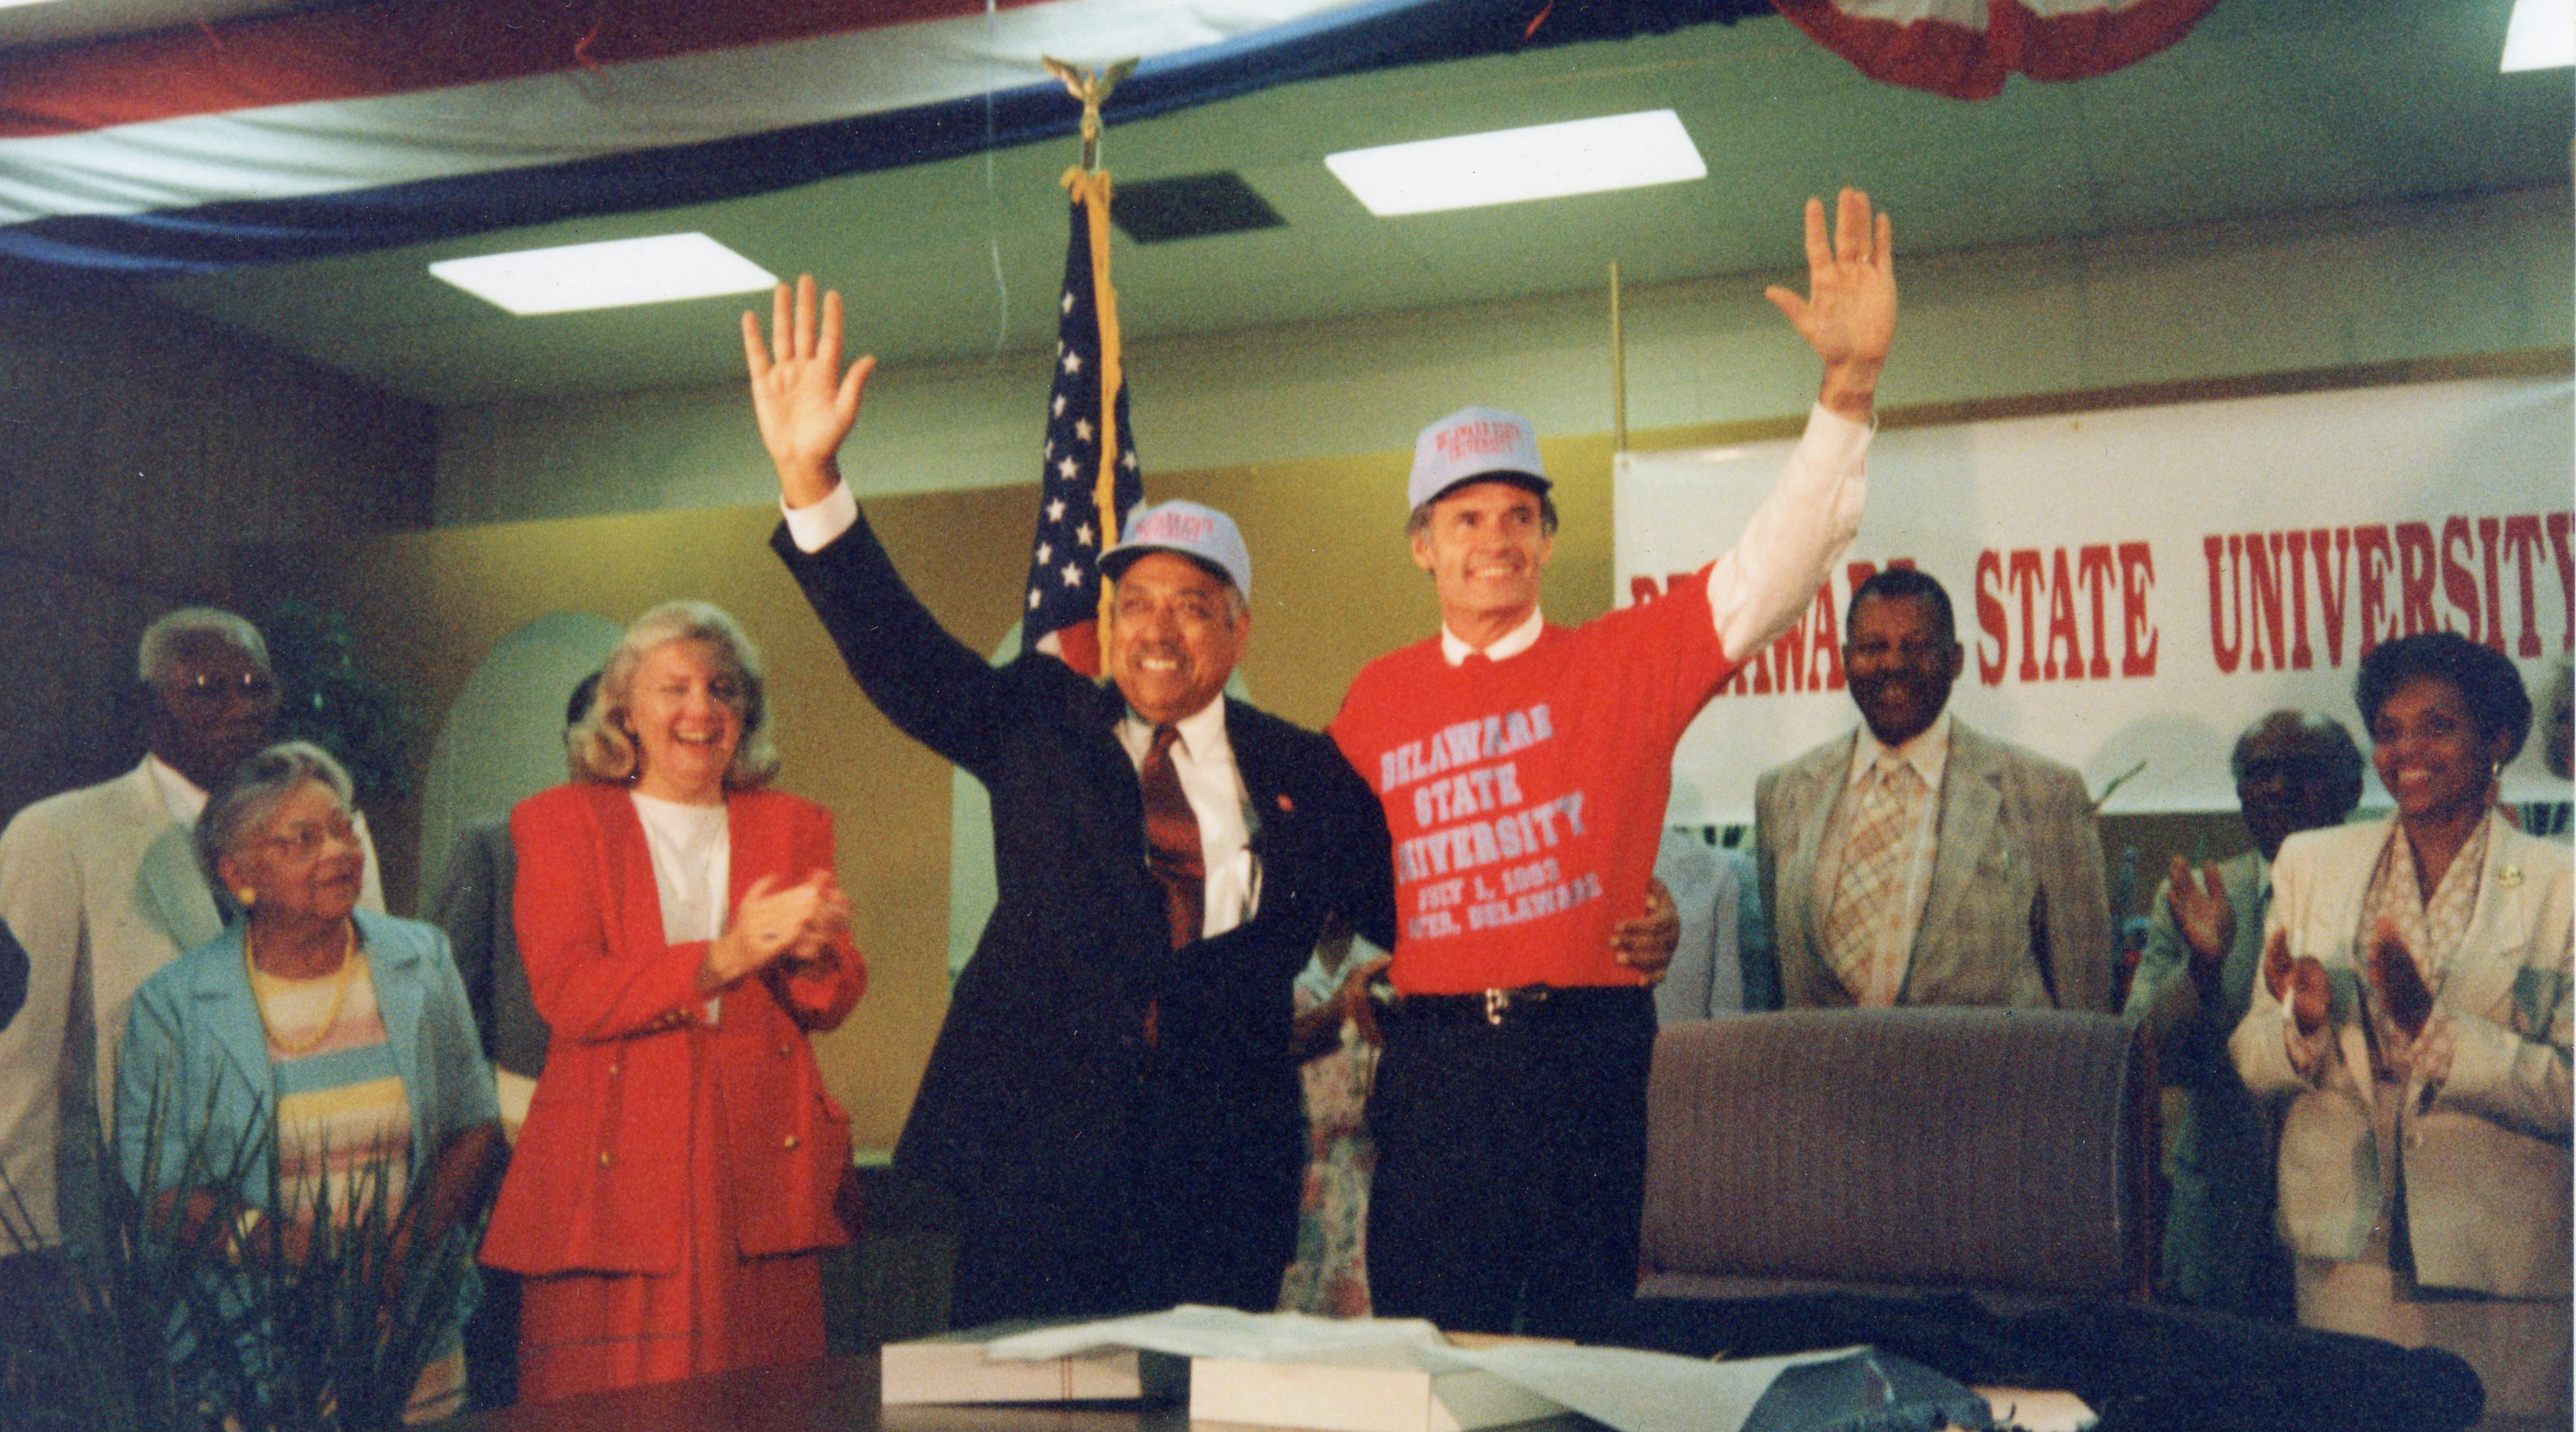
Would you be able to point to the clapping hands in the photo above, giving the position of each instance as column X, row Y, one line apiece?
column 2202, row 913
column 2299, row 983
column 801, row 924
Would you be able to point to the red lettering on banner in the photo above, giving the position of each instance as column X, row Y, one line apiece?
column 2226, row 629
column 2062, row 595
column 2368, row 543
column 2263, row 611
column 2093, row 569
column 2415, row 577
column 2448, row 575
column 2489, row 529
column 2558, row 543
column 2302, row 656
column 2137, row 577
column 2522, row 548
column 2021, row 569
column 2459, row 584
column 2334, row 585
column 1991, row 624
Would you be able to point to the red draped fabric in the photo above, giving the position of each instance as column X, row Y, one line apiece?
column 1965, row 48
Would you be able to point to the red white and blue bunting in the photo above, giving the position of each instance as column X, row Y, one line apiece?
column 1965, row 48
column 397, row 121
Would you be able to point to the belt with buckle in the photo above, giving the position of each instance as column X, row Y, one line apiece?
column 1526, row 1004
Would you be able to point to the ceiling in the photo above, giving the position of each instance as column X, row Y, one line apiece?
column 2269, row 107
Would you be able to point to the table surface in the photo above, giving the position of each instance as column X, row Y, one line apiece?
column 837, row 1394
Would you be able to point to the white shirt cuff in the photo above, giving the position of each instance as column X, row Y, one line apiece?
column 820, row 525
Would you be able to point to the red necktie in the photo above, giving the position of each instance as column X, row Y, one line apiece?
column 1172, row 839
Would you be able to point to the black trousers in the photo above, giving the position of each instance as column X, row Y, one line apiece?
column 1192, row 1200
column 1511, row 1164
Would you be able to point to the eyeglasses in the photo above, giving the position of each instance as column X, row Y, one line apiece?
column 305, row 841
column 205, row 687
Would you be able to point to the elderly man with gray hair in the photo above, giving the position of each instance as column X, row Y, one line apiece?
column 2293, row 772
column 102, row 887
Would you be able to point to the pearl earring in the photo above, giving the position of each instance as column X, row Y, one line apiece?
column 247, row 896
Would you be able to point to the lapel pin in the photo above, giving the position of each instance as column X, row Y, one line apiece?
column 1286, row 805
column 2508, row 877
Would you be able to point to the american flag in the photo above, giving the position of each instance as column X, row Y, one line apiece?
column 1087, row 461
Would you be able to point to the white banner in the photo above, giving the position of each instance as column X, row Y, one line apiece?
column 2136, row 586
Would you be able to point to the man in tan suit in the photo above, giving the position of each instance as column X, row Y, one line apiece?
column 1918, row 862
column 101, row 885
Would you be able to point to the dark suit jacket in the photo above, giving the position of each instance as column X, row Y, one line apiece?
column 1028, row 1108
column 473, row 907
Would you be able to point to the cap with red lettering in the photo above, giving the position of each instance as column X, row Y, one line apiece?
column 1202, row 534
column 1474, row 443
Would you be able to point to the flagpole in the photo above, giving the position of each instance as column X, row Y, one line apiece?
column 1618, row 371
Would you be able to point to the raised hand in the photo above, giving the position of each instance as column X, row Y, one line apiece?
column 805, row 403
column 1646, row 944
column 2395, row 980
column 1849, row 313
column 2201, row 913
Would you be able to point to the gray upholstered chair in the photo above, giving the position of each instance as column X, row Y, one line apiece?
column 2007, row 1153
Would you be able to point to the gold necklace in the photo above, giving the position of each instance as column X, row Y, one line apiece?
column 330, row 1017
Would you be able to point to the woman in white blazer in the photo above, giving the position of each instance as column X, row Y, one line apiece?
column 2414, row 1017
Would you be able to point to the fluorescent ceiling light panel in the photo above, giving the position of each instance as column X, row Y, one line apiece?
column 1506, row 166
column 2540, row 36
column 615, row 274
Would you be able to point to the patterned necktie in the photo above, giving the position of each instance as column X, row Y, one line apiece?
column 1869, row 896
column 1172, row 840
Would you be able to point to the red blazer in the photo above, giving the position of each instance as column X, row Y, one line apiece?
column 601, row 1168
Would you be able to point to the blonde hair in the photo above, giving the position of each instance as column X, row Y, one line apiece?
column 601, row 748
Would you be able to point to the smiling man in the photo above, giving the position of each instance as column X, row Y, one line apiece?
column 1113, row 1098
column 1524, row 770
column 1917, row 861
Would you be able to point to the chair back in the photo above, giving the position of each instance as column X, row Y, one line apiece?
column 2006, row 1152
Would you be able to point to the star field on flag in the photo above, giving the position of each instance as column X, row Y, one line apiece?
column 1063, row 594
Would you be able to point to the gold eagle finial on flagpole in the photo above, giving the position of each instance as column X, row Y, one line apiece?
column 1092, row 87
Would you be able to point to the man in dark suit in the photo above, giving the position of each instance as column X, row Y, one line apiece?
column 1113, row 1097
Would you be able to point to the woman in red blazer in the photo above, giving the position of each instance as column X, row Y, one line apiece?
column 672, row 1189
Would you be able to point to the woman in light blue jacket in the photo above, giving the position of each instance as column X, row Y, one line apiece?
column 338, row 1040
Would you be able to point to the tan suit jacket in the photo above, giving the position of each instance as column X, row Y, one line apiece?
column 2483, row 1157
column 103, row 889
column 2016, row 914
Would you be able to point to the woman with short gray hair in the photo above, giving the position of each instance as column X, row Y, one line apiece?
column 339, row 1036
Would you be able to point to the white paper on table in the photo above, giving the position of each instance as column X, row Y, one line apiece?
column 1634, row 1391
column 1193, row 1331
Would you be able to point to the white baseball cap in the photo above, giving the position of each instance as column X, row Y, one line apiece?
column 1472, row 443
column 1190, row 529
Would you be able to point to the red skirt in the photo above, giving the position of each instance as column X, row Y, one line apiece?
column 594, row 1332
